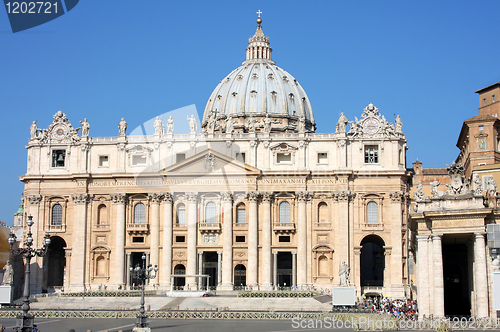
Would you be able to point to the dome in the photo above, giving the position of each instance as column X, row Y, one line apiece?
column 256, row 92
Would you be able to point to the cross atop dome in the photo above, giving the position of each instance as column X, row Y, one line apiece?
column 258, row 45
column 259, row 20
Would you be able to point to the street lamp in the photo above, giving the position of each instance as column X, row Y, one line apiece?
column 143, row 273
column 25, row 320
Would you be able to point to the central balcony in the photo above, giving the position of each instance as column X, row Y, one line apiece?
column 209, row 227
column 284, row 227
column 138, row 229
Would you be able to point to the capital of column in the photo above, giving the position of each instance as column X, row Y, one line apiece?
column 226, row 196
column 82, row 198
column 253, row 196
column 294, row 253
column 34, row 199
column 436, row 236
column 396, row 196
column 192, row 196
column 303, row 196
column 128, row 254
column 219, row 252
column 479, row 235
column 275, row 253
column 343, row 195
column 200, row 253
column 168, row 197
column 155, row 198
column 119, row 198
column 267, row 197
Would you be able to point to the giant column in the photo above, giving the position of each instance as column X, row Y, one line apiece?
column 191, row 238
column 438, row 276
column 253, row 232
column 166, row 262
column 422, row 277
column 303, row 197
column 119, row 200
column 343, row 197
column 79, row 239
column 267, row 198
column 396, row 259
column 155, row 199
column 480, row 276
column 227, row 246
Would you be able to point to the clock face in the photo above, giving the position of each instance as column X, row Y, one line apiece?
column 371, row 126
column 59, row 131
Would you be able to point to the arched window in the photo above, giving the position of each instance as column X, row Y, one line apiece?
column 372, row 213
column 102, row 215
column 241, row 214
column 139, row 213
column 284, row 212
column 56, row 215
column 322, row 213
column 210, row 213
column 181, row 215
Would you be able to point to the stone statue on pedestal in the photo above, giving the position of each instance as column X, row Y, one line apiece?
column 344, row 274
column 85, row 128
column 34, row 130
column 8, row 274
column 122, row 127
column 192, row 124
column 170, row 125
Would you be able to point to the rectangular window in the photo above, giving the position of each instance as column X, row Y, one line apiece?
column 180, row 239
column 492, row 99
column 484, row 102
column 481, row 127
column 139, row 160
column 284, row 239
column 180, row 157
column 181, row 217
column 240, row 239
column 103, row 161
column 284, row 158
column 138, row 239
column 240, row 216
column 322, row 158
column 240, row 156
column 371, row 154
column 58, row 158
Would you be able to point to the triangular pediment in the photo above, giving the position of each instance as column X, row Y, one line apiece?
column 210, row 162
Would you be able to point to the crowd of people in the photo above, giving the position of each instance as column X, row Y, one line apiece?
column 395, row 307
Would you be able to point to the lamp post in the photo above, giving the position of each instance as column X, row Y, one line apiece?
column 25, row 320
column 143, row 273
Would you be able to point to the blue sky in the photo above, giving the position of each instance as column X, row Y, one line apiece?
column 137, row 59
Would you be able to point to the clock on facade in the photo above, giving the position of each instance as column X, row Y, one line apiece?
column 370, row 126
column 59, row 131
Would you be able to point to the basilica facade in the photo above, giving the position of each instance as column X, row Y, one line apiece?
column 252, row 196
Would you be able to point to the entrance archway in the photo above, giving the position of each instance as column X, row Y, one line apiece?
column 179, row 281
column 372, row 261
column 284, row 269
column 56, row 262
column 240, row 275
column 210, row 266
column 456, row 279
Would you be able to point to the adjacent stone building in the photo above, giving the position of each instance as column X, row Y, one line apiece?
column 452, row 207
column 256, row 198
